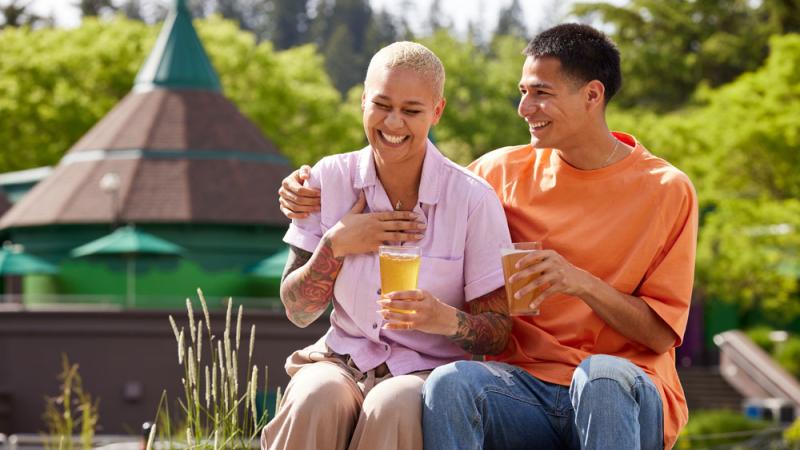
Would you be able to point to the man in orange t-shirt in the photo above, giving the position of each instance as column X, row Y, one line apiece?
column 596, row 368
column 619, row 228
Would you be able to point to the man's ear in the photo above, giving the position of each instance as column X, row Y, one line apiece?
column 363, row 100
column 595, row 94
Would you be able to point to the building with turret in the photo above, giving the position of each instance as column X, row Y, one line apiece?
column 176, row 159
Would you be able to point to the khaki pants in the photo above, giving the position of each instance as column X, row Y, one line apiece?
column 330, row 404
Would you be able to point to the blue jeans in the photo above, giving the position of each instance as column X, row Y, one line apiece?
column 611, row 404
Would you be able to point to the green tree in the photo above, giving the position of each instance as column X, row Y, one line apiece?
column 343, row 63
column 290, row 23
column 340, row 30
column 784, row 15
column 671, row 47
column 748, row 255
column 132, row 9
column 481, row 92
column 739, row 145
column 94, row 8
column 383, row 30
column 16, row 13
column 295, row 105
column 511, row 21
column 55, row 84
column 437, row 19
column 251, row 15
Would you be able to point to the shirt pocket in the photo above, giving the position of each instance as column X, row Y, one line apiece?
column 444, row 278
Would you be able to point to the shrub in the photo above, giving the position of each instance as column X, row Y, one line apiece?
column 788, row 355
column 710, row 428
column 792, row 435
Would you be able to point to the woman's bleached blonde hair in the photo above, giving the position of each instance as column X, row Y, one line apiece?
column 412, row 56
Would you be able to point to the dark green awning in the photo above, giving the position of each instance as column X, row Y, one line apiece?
column 272, row 266
column 13, row 261
column 128, row 240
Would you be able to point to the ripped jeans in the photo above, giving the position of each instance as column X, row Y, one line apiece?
column 611, row 404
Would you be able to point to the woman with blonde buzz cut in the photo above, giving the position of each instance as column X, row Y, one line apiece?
column 359, row 386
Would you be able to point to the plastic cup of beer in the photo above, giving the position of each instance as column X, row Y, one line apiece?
column 399, row 268
column 510, row 256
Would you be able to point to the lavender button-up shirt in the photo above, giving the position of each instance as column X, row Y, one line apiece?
column 466, row 227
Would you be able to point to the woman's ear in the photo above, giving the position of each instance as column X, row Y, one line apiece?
column 438, row 110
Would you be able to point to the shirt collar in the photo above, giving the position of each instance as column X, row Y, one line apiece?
column 429, row 181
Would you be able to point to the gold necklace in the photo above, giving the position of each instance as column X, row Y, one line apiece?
column 613, row 152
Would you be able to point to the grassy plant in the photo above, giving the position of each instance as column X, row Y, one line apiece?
column 215, row 411
column 72, row 412
column 792, row 435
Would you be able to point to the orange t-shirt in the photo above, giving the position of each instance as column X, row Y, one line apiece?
column 632, row 224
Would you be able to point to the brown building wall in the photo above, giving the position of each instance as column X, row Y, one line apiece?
column 126, row 359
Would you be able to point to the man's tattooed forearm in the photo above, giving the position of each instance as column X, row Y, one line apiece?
column 308, row 281
column 486, row 327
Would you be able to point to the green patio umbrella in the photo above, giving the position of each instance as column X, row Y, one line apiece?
column 129, row 242
column 271, row 266
column 13, row 261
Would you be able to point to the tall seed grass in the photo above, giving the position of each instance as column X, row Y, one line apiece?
column 73, row 412
column 215, row 411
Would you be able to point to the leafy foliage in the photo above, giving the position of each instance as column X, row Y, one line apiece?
column 739, row 145
column 286, row 93
column 732, row 122
column 788, row 356
column 747, row 254
column 792, row 434
column 671, row 47
column 716, row 422
column 482, row 95
column 56, row 84
column 786, row 353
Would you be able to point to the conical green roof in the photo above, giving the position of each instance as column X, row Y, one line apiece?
column 178, row 60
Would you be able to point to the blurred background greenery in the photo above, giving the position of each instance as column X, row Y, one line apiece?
column 713, row 86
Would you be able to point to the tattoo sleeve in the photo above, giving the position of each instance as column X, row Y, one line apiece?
column 485, row 329
column 308, row 280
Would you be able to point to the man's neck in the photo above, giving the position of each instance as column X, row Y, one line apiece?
column 594, row 151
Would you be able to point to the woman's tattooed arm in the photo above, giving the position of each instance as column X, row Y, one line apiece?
column 485, row 329
column 307, row 284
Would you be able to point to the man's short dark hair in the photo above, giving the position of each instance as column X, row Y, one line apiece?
column 585, row 54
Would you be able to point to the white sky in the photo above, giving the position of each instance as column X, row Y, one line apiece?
column 460, row 12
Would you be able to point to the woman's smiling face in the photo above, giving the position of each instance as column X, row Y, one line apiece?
column 399, row 108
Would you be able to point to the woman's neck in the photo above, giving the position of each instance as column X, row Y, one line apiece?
column 401, row 182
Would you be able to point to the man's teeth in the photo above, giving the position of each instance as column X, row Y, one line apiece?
column 393, row 139
column 538, row 124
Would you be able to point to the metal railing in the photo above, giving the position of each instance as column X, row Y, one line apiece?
column 34, row 302
column 752, row 371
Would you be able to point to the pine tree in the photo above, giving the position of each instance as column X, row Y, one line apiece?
column 16, row 14
column 289, row 23
column 132, row 10
column 511, row 21
column 437, row 19
column 250, row 14
column 340, row 28
column 94, row 8
column 344, row 65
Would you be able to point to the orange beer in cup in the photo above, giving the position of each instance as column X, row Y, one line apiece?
column 399, row 267
column 510, row 256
